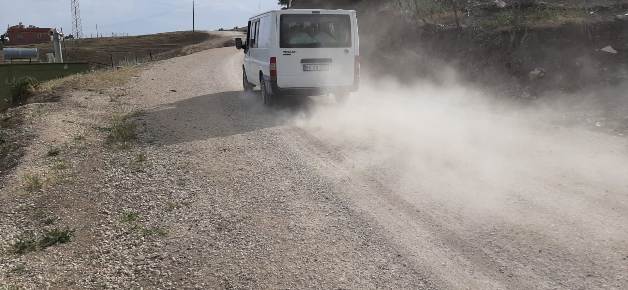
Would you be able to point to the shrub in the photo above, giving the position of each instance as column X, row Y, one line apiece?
column 54, row 237
column 32, row 183
column 130, row 217
column 25, row 244
column 30, row 243
column 122, row 131
column 21, row 89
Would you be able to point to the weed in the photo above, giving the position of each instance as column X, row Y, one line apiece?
column 137, row 163
column 32, row 183
column 140, row 158
column 79, row 138
column 18, row 269
column 154, row 231
column 60, row 165
column 25, row 244
column 21, row 89
column 122, row 131
column 48, row 221
column 30, row 243
column 130, row 217
column 53, row 152
column 55, row 237
column 170, row 206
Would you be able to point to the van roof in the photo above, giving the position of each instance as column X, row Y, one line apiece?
column 300, row 11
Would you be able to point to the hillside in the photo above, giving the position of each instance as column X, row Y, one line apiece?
column 495, row 43
column 104, row 51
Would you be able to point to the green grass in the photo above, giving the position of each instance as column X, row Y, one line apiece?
column 154, row 231
column 130, row 217
column 25, row 244
column 32, row 243
column 21, row 89
column 55, row 237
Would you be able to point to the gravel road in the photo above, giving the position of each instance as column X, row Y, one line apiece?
column 314, row 194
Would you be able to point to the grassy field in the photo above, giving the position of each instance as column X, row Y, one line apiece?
column 118, row 50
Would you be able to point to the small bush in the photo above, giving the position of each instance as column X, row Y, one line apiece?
column 53, row 151
column 130, row 217
column 154, row 231
column 60, row 165
column 25, row 244
column 55, row 237
column 122, row 131
column 18, row 269
column 22, row 89
column 30, row 243
column 32, row 183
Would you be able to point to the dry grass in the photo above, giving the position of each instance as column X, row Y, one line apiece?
column 100, row 50
column 97, row 80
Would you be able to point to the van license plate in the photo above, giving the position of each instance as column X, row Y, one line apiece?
column 316, row 67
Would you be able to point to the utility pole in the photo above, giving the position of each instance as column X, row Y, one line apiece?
column 77, row 26
column 193, row 17
column 56, row 44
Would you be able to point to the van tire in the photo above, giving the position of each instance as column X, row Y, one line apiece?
column 248, row 87
column 267, row 96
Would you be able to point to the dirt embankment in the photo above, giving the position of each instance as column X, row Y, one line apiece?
column 524, row 48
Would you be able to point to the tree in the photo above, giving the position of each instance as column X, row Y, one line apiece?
column 287, row 3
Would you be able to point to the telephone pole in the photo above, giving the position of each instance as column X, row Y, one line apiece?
column 193, row 16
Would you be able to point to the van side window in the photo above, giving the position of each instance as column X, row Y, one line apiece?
column 257, row 24
column 263, row 35
column 248, row 34
column 253, row 35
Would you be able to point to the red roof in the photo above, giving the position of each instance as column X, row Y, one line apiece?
column 21, row 28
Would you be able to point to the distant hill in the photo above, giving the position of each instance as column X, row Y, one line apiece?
column 104, row 51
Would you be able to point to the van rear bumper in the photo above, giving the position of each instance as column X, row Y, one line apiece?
column 310, row 91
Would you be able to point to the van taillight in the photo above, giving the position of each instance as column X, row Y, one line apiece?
column 273, row 68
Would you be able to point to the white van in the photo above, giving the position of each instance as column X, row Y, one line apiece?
column 304, row 52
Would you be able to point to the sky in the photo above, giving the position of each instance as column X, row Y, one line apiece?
column 134, row 17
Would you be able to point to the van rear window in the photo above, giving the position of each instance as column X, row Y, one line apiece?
column 315, row 31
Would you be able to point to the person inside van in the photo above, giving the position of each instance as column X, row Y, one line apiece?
column 299, row 36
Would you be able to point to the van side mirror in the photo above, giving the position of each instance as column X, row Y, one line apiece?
column 239, row 44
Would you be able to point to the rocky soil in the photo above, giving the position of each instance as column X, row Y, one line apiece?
column 422, row 187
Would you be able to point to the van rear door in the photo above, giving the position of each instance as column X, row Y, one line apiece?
column 317, row 50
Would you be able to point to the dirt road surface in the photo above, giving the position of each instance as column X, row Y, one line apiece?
column 305, row 203
column 381, row 192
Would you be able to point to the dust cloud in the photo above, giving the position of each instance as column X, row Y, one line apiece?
column 451, row 144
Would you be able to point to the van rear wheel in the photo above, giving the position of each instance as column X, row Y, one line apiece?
column 267, row 96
